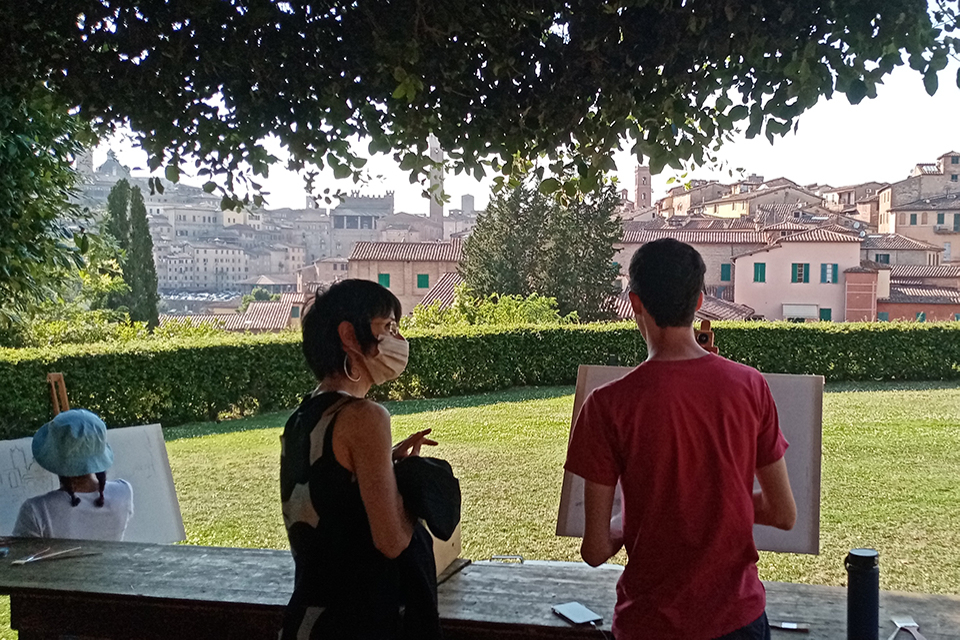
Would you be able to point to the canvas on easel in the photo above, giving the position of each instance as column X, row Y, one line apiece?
column 140, row 458
column 799, row 400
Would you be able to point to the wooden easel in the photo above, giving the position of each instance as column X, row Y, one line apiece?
column 58, row 393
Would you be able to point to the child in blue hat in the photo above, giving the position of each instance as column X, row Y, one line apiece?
column 86, row 506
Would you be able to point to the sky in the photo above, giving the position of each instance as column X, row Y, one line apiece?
column 836, row 144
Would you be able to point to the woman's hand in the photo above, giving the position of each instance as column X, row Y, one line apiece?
column 410, row 446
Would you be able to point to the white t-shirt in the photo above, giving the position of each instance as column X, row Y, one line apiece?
column 52, row 516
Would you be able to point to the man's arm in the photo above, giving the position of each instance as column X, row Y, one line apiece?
column 773, row 505
column 599, row 542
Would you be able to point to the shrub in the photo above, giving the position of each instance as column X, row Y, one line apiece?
column 187, row 379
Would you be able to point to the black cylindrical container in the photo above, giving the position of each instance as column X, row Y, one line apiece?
column 863, row 594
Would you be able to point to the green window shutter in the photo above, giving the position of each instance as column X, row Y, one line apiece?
column 956, row 222
column 423, row 281
column 921, row 316
column 384, row 280
column 913, row 219
column 940, row 217
column 956, row 317
column 795, row 272
column 883, row 316
column 824, row 273
column 826, row 315
column 759, row 272
column 836, row 274
column 725, row 273
column 806, row 273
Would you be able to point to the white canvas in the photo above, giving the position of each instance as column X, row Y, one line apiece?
column 140, row 458
column 799, row 401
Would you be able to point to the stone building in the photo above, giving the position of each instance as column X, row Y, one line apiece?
column 735, row 205
column 799, row 276
column 933, row 220
column 927, row 182
column 894, row 248
column 717, row 247
column 408, row 269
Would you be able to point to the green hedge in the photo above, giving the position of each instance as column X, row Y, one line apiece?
column 178, row 381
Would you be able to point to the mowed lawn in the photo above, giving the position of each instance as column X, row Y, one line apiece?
column 891, row 479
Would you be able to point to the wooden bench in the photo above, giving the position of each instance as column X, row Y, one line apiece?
column 153, row 592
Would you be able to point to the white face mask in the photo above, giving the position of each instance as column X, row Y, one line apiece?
column 391, row 361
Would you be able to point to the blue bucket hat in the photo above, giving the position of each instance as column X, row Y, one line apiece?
column 73, row 444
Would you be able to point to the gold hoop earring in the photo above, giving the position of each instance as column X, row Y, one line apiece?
column 346, row 369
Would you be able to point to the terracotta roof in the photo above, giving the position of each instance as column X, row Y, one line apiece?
column 896, row 242
column 266, row 316
column 786, row 225
column 950, row 202
column 819, row 235
column 712, row 309
column 750, row 195
column 922, row 294
column 717, row 309
column 227, row 321
column 860, row 269
column 904, row 271
column 443, row 291
column 275, row 279
column 409, row 251
column 702, row 236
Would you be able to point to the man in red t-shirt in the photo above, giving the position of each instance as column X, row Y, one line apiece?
column 684, row 434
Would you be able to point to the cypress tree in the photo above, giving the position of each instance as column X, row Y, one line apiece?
column 118, row 222
column 139, row 270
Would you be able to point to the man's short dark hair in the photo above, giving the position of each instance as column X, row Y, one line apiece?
column 356, row 301
column 667, row 275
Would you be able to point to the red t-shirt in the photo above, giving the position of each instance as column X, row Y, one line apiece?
column 684, row 439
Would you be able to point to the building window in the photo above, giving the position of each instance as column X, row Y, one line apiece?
column 940, row 217
column 760, row 272
column 882, row 258
column 423, row 281
column 923, row 218
column 954, row 159
column 725, row 272
column 913, row 219
column 883, row 316
column 953, row 178
column 829, row 273
column 384, row 280
column 800, row 272
column 921, row 316
column 956, row 222
column 294, row 311
column 826, row 315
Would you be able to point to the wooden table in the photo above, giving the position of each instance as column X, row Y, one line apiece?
column 154, row 592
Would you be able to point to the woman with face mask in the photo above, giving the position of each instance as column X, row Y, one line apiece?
column 344, row 515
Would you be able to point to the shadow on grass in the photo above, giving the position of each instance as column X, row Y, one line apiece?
column 396, row 408
column 886, row 385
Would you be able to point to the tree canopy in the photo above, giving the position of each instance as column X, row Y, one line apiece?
column 41, row 239
column 527, row 243
column 569, row 80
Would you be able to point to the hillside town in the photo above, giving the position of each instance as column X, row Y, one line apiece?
column 774, row 249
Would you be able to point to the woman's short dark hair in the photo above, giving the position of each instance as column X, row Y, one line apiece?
column 667, row 275
column 355, row 301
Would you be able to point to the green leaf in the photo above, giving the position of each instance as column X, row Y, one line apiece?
column 172, row 173
column 548, row 186
column 930, row 82
column 209, row 187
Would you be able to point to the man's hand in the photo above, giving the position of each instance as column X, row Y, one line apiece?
column 410, row 446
